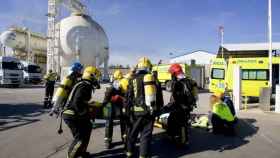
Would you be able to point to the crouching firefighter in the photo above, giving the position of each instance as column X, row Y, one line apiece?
column 144, row 99
column 64, row 89
column 182, row 101
column 77, row 113
column 221, row 117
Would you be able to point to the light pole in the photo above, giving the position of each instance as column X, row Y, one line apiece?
column 270, row 42
column 221, row 29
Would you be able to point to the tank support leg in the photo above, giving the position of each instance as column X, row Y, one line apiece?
column 106, row 75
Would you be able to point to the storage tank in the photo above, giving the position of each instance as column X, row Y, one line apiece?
column 23, row 41
column 18, row 39
column 83, row 39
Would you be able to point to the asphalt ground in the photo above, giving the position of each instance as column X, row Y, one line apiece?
column 26, row 131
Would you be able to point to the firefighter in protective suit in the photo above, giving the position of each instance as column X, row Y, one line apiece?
column 182, row 101
column 144, row 99
column 77, row 113
column 221, row 117
column 50, row 78
column 114, row 105
column 64, row 89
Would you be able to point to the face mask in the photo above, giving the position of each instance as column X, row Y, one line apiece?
column 181, row 76
column 95, row 84
column 116, row 84
column 78, row 76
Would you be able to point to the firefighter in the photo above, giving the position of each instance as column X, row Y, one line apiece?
column 77, row 113
column 221, row 117
column 144, row 99
column 50, row 79
column 65, row 87
column 182, row 101
column 114, row 104
column 227, row 100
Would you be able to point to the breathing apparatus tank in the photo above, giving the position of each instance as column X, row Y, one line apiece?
column 150, row 91
column 62, row 93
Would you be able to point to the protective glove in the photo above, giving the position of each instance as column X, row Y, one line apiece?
column 165, row 109
column 95, row 104
column 156, row 113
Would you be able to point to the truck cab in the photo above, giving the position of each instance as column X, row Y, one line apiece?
column 11, row 72
column 32, row 73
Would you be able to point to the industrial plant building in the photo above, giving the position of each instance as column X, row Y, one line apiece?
column 76, row 37
column 243, row 50
column 199, row 57
column 25, row 45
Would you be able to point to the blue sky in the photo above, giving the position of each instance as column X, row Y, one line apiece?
column 155, row 28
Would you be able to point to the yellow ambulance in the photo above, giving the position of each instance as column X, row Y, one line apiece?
column 254, row 74
column 218, row 74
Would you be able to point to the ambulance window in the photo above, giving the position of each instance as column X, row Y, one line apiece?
column 252, row 75
column 262, row 75
column 218, row 73
column 245, row 75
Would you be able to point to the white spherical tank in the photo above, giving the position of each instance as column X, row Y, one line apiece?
column 19, row 40
column 83, row 39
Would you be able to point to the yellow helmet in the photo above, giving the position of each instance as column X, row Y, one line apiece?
column 219, row 94
column 144, row 63
column 124, row 85
column 117, row 75
column 91, row 73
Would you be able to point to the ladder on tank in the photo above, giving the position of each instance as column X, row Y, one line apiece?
column 53, row 41
column 52, row 12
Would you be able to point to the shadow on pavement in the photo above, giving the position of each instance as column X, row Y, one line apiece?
column 15, row 115
column 112, row 153
column 40, row 86
column 201, row 140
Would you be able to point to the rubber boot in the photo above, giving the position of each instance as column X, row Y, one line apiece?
column 46, row 102
column 129, row 154
column 49, row 103
column 124, row 140
column 108, row 143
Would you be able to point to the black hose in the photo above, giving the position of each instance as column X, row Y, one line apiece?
column 60, row 130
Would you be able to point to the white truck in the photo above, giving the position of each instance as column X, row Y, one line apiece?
column 10, row 71
column 32, row 73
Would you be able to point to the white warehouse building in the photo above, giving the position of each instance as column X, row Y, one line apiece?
column 200, row 58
